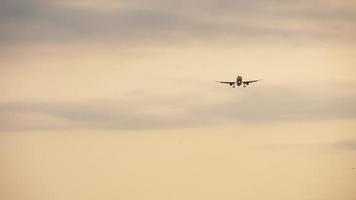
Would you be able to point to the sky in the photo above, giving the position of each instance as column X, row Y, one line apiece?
column 119, row 99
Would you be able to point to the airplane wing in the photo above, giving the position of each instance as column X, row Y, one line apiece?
column 252, row 81
column 226, row 82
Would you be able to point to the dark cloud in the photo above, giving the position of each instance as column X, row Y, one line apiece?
column 38, row 21
column 258, row 106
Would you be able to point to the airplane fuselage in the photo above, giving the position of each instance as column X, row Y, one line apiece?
column 239, row 80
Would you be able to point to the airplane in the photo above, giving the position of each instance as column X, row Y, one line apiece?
column 238, row 82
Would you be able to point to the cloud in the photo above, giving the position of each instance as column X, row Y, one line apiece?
column 345, row 145
column 284, row 103
column 264, row 105
column 39, row 21
column 104, row 114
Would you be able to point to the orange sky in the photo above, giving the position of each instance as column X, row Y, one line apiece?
column 118, row 100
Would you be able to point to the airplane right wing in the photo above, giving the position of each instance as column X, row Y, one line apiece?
column 226, row 82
